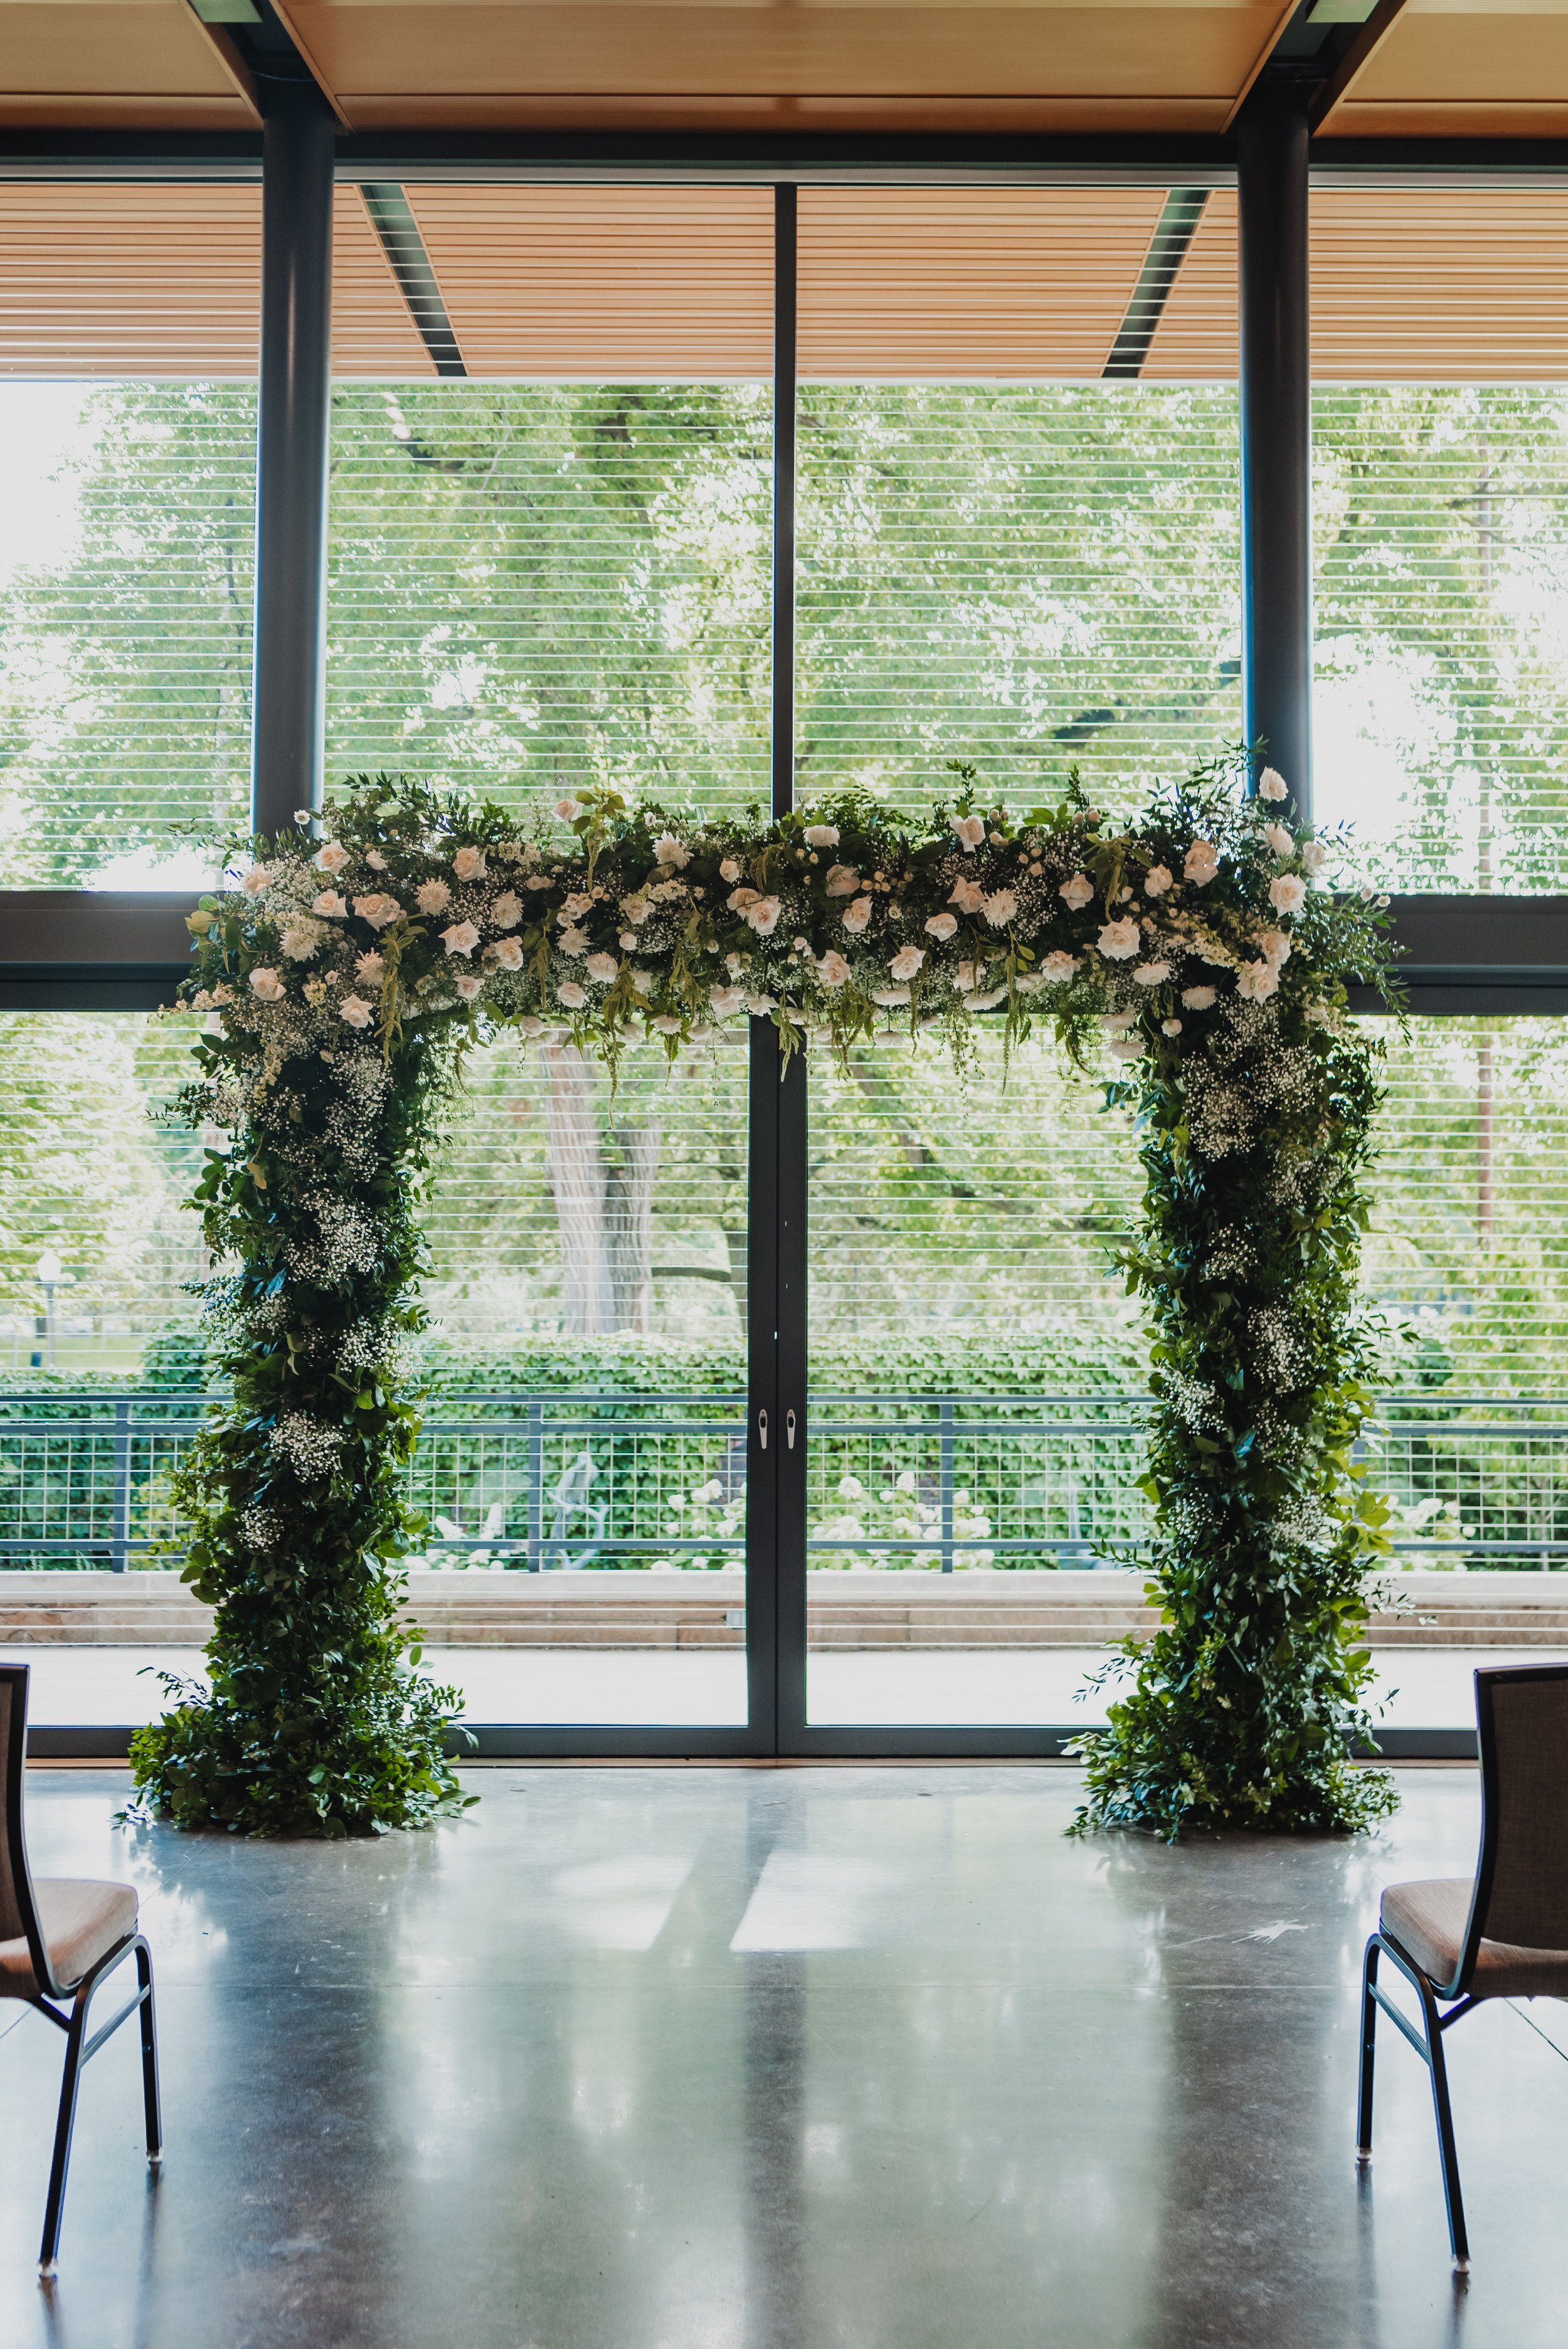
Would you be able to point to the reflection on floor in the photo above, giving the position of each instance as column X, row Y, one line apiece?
column 1427, row 1688
column 774, row 2059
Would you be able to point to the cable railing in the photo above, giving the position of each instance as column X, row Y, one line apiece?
column 564, row 1482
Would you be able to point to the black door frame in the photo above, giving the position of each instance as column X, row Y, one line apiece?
column 85, row 950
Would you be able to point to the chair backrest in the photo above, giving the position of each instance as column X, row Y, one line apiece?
column 1521, row 1882
column 18, row 1914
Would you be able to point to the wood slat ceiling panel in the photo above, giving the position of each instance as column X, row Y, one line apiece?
column 966, row 285
column 1439, row 286
column 122, row 64
column 590, row 285
column 129, row 279
column 1451, row 70
column 1172, row 65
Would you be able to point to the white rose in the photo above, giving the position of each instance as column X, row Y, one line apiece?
column 329, row 904
column 1171, row 1027
column 1000, row 908
column 573, row 941
column 634, row 910
column 469, row 987
column 1127, row 1048
column 941, row 926
column 377, row 910
column 460, row 939
column 1116, row 1023
column 857, row 915
column 507, row 911
column 377, row 861
column 842, row 881
column 729, row 869
column 890, row 997
column 1120, row 941
column 603, row 966
column 567, row 811
column 1275, row 947
column 1280, row 839
column 1152, row 974
column 763, row 916
column 355, row 1010
column 1156, row 879
column 971, row 830
column 1201, row 861
column 267, row 984
column 572, row 995
column 469, row 865
column 833, row 970
column 432, row 896
column 726, row 1001
column 906, row 962
column 506, row 954
column 1272, row 785
column 1257, row 981
column 1313, row 856
column 1078, row 892
column 759, row 1005
column 963, row 977
column 668, row 850
column 822, row 835
column 1289, row 893
column 1199, row 999
column 258, row 878
column 530, row 1024
column 1059, row 967
column 967, row 895
column 331, row 857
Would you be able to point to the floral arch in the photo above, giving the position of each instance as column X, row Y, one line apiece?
column 344, row 971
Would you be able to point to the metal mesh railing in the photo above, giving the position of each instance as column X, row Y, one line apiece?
column 551, row 1482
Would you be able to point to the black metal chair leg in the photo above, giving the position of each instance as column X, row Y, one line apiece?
column 54, row 2209
column 1369, row 2051
column 1458, row 2237
column 149, row 2096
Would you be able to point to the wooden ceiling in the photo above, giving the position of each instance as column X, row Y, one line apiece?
column 1439, row 286
column 139, row 280
column 1424, row 67
column 895, row 284
column 121, row 65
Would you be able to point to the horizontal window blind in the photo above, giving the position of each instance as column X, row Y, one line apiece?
column 1468, row 1254
column 542, row 588
column 125, row 627
column 1030, row 578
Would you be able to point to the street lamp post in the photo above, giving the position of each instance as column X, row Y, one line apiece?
column 49, row 1270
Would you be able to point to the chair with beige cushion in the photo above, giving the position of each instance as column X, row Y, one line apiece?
column 1504, row 1934
column 59, row 1938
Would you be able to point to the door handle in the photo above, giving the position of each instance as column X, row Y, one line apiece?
column 790, row 1429
column 762, row 1428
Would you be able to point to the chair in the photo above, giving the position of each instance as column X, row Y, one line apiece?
column 61, row 1936
column 1506, row 1934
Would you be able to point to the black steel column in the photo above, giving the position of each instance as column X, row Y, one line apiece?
column 289, row 723
column 775, row 1286
column 1276, row 433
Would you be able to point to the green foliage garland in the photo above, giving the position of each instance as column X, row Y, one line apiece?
column 345, row 970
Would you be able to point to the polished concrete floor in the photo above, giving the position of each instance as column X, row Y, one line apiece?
column 774, row 2059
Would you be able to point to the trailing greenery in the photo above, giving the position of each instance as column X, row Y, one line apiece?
column 344, row 977
column 317, row 1721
